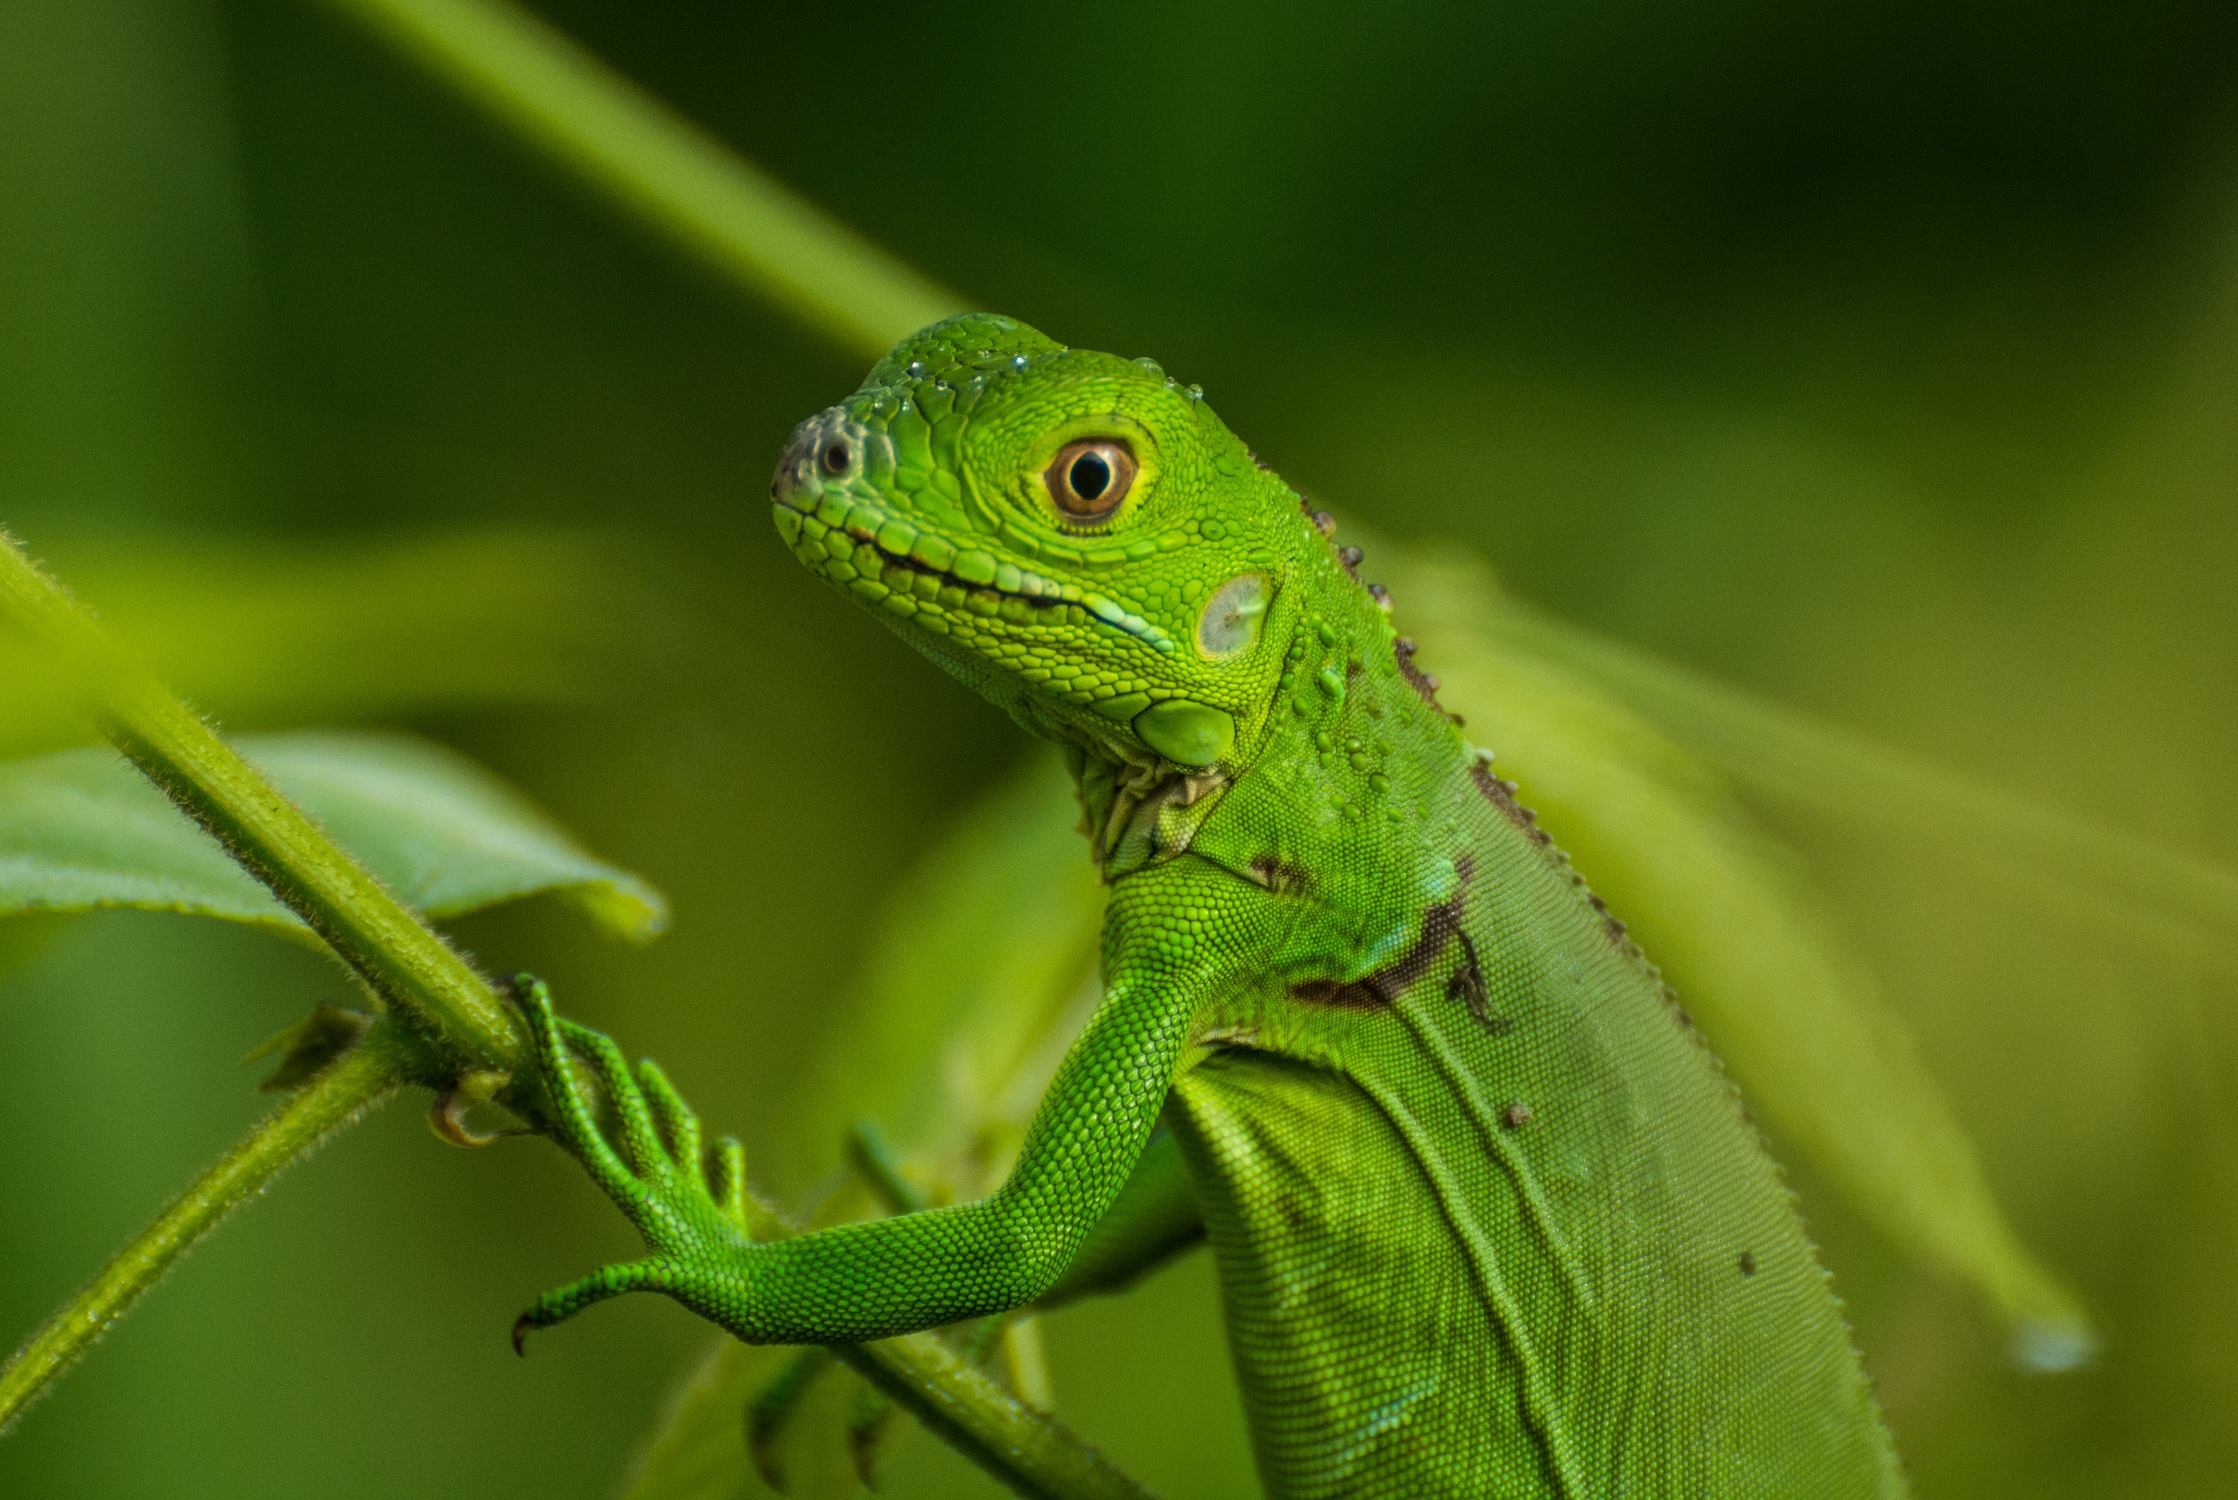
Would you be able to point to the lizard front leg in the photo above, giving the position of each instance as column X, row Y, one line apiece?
column 858, row 1282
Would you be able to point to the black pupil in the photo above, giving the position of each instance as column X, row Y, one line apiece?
column 1091, row 475
column 835, row 458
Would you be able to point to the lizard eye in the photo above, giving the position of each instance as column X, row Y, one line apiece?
column 837, row 458
column 1088, row 479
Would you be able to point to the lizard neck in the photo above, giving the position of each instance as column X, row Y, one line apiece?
column 1349, row 740
column 1357, row 748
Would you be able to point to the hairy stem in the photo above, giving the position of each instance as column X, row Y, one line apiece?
column 349, row 1086
column 634, row 150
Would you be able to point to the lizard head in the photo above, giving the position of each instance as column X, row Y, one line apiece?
column 1073, row 534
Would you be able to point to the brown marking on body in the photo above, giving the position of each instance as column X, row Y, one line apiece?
column 1280, row 878
column 1467, row 986
column 1747, row 1263
column 1353, row 994
column 1516, row 1115
column 1441, row 927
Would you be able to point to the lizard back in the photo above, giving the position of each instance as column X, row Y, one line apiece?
column 1490, row 1220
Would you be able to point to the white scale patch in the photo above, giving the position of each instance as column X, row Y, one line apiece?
column 1232, row 617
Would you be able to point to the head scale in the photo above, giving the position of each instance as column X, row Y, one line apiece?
column 1074, row 534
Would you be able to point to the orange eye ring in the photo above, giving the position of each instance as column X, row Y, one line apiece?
column 1089, row 479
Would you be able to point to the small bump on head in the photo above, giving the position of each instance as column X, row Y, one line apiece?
column 959, row 349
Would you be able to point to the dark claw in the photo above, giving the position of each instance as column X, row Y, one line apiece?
column 521, row 1326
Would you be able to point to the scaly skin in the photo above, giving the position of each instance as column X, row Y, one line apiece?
column 1488, row 1218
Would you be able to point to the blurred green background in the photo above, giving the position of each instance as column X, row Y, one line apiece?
column 1882, row 357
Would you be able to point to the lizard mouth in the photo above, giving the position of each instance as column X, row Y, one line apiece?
column 900, row 565
column 891, row 563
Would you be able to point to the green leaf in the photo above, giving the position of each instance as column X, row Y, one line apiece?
column 82, row 829
column 2150, row 893
column 1716, row 903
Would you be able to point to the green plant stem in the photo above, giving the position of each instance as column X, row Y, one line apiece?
column 435, row 1000
column 336, row 1097
column 433, row 991
column 636, row 151
column 1024, row 1449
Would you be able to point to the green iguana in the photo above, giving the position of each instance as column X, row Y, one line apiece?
column 1488, row 1218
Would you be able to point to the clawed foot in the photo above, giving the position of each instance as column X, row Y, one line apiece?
column 688, row 1200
